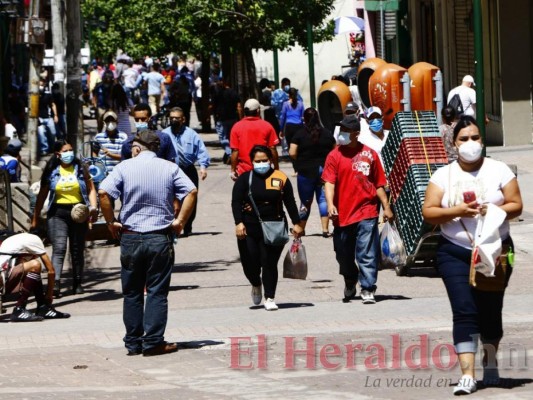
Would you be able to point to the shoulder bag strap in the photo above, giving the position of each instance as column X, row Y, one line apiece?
column 252, row 199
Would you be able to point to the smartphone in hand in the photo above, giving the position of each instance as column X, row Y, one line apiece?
column 469, row 196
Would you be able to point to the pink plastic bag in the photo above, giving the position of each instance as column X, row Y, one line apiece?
column 295, row 263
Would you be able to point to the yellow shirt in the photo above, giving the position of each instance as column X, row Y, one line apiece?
column 68, row 188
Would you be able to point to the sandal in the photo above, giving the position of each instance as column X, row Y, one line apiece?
column 326, row 235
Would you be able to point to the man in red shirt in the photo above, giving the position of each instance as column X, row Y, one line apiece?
column 354, row 182
column 245, row 134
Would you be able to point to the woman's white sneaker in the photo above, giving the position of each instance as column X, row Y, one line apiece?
column 270, row 305
column 466, row 385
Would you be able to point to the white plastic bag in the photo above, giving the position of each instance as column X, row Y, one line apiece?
column 295, row 263
column 392, row 248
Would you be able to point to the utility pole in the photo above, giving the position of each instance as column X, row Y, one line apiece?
column 36, row 59
column 310, row 57
column 73, row 102
column 58, row 40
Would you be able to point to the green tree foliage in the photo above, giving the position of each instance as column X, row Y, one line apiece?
column 158, row 27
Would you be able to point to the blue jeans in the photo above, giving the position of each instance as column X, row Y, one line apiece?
column 475, row 313
column 46, row 134
column 306, row 188
column 223, row 129
column 61, row 228
column 359, row 243
column 146, row 260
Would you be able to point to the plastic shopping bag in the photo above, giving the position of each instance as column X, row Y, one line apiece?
column 295, row 263
column 392, row 248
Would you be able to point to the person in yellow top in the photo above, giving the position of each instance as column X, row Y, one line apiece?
column 67, row 183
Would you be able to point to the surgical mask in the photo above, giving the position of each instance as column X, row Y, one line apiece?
column 111, row 126
column 344, row 138
column 286, row 88
column 376, row 124
column 141, row 126
column 470, row 151
column 67, row 157
column 175, row 126
column 262, row 167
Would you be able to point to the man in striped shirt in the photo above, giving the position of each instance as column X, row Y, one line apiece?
column 149, row 189
column 110, row 141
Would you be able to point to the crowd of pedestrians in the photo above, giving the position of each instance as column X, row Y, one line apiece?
column 342, row 170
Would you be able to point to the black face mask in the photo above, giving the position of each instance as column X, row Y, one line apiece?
column 175, row 126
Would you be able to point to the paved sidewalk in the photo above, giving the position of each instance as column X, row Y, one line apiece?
column 210, row 307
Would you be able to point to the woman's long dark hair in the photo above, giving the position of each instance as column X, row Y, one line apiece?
column 464, row 121
column 293, row 97
column 119, row 99
column 312, row 123
column 54, row 161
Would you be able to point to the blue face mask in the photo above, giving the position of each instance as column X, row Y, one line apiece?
column 262, row 167
column 141, row 126
column 67, row 157
column 376, row 124
column 344, row 138
column 286, row 88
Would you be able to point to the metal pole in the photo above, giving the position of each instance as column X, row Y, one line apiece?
column 480, row 77
column 36, row 59
column 382, row 30
column 310, row 56
column 276, row 68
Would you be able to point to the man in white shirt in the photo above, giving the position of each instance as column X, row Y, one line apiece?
column 129, row 77
column 20, row 270
column 372, row 133
column 467, row 95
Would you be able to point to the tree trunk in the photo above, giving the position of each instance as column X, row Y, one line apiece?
column 204, row 75
column 249, row 78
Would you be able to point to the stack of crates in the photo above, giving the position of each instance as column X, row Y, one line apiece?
column 413, row 151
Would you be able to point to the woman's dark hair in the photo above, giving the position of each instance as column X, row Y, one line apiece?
column 259, row 148
column 293, row 97
column 312, row 123
column 264, row 83
column 448, row 114
column 54, row 161
column 464, row 121
column 119, row 99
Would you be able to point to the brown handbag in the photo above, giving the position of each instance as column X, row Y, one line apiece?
column 496, row 283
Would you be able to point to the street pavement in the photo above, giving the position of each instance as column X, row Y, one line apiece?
column 230, row 349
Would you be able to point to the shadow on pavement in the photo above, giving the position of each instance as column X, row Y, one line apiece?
column 198, row 344
column 284, row 305
column 187, row 287
column 205, row 266
column 506, row 383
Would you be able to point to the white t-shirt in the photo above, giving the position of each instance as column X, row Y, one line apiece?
column 368, row 138
column 21, row 243
column 10, row 131
column 468, row 98
column 487, row 183
column 129, row 77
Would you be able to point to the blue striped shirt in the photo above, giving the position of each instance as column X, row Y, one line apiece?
column 189, row 147
column 114, row 145
column 147, row 187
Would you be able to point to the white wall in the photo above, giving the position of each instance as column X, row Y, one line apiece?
column 329, row 57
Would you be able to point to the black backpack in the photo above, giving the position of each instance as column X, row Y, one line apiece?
column 456, row 103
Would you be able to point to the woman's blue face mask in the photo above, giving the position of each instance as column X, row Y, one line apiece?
column 262, row 167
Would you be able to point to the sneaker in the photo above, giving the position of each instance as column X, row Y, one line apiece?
column 368, row 297
column 491, row 376
column 270, row 305
column 466, row 385
column 49, row 312
column 349, row 293
column 20, row 314
column 257, row 295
